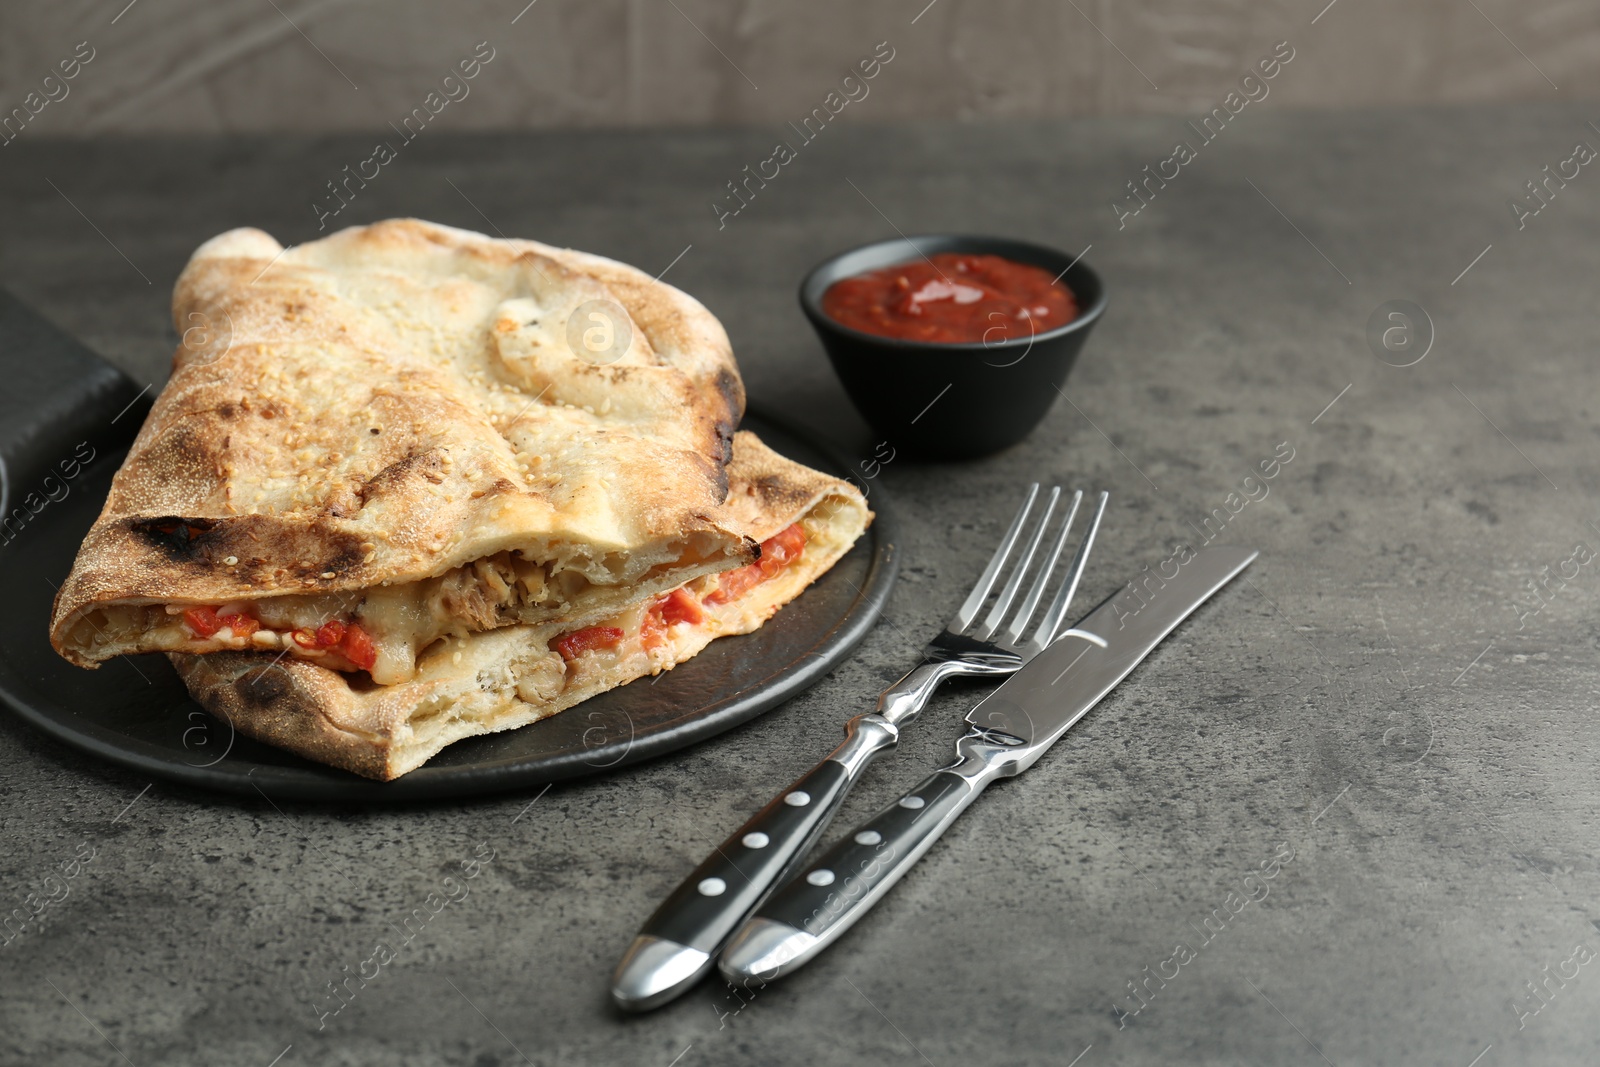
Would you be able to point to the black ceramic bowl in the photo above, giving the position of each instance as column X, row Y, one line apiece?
column 952, row 401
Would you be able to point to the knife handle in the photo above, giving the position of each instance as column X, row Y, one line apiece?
column 677, row 944
column 818, row 905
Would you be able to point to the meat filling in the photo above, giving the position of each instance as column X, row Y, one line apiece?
column 381, row 629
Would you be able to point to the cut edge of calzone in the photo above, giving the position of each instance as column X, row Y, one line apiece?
column 403, row 431
column 502, row 679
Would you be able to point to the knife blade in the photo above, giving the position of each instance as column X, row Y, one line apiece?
column 1007, row 733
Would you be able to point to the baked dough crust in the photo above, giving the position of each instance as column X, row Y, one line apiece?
column 395, row 401
column 506, row 678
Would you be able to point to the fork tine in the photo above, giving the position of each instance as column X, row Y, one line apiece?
column 980, row 592
column 1051, row 623
column 1002, row 604
column 1019, row 622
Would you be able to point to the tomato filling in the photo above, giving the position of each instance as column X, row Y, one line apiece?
column 345, row 639
column 202, row 620
column 357, row 647
column 652, row 631
column 776, row 553
column 677, row 606
column 682, row 606
column 328, row 635
column 205, row 622
column 241, row 625
column 588, row 639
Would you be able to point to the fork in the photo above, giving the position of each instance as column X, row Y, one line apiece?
column 679, row 942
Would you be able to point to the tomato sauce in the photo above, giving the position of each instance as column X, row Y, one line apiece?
column 952, row 298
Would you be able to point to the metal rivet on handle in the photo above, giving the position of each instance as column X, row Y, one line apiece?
column 821, row 876
column 713, row 887
column 755, row 840
column 798, row 799
column 912, row 802
column 868, row 837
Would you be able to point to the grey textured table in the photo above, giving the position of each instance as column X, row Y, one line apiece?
column 1380, row 697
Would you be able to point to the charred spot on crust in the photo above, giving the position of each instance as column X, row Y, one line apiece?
column 316, row 557
column 778, row 492
column 262, row 686
column 265, row 551
column 183, row 454
column 340, row 552
column 731, row 390
column 179, row 537
column 715, row 473
column 720, row 469
column 425, row 464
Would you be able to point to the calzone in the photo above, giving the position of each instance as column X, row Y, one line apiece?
column 405, row 432
column 490, row 680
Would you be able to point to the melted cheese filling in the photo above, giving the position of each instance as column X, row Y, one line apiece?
column 401, row 620
column 652, row 636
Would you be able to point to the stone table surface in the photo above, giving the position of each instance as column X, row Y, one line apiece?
column 1387, row 706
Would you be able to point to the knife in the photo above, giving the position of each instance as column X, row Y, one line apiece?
column 1007, row 733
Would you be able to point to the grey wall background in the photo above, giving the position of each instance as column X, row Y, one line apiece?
column 179, row 66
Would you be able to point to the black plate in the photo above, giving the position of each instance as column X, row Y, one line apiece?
column 135, row 712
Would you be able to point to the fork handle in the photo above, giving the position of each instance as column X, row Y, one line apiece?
column 812, row 911
column 676, row 945
column 904, row 700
